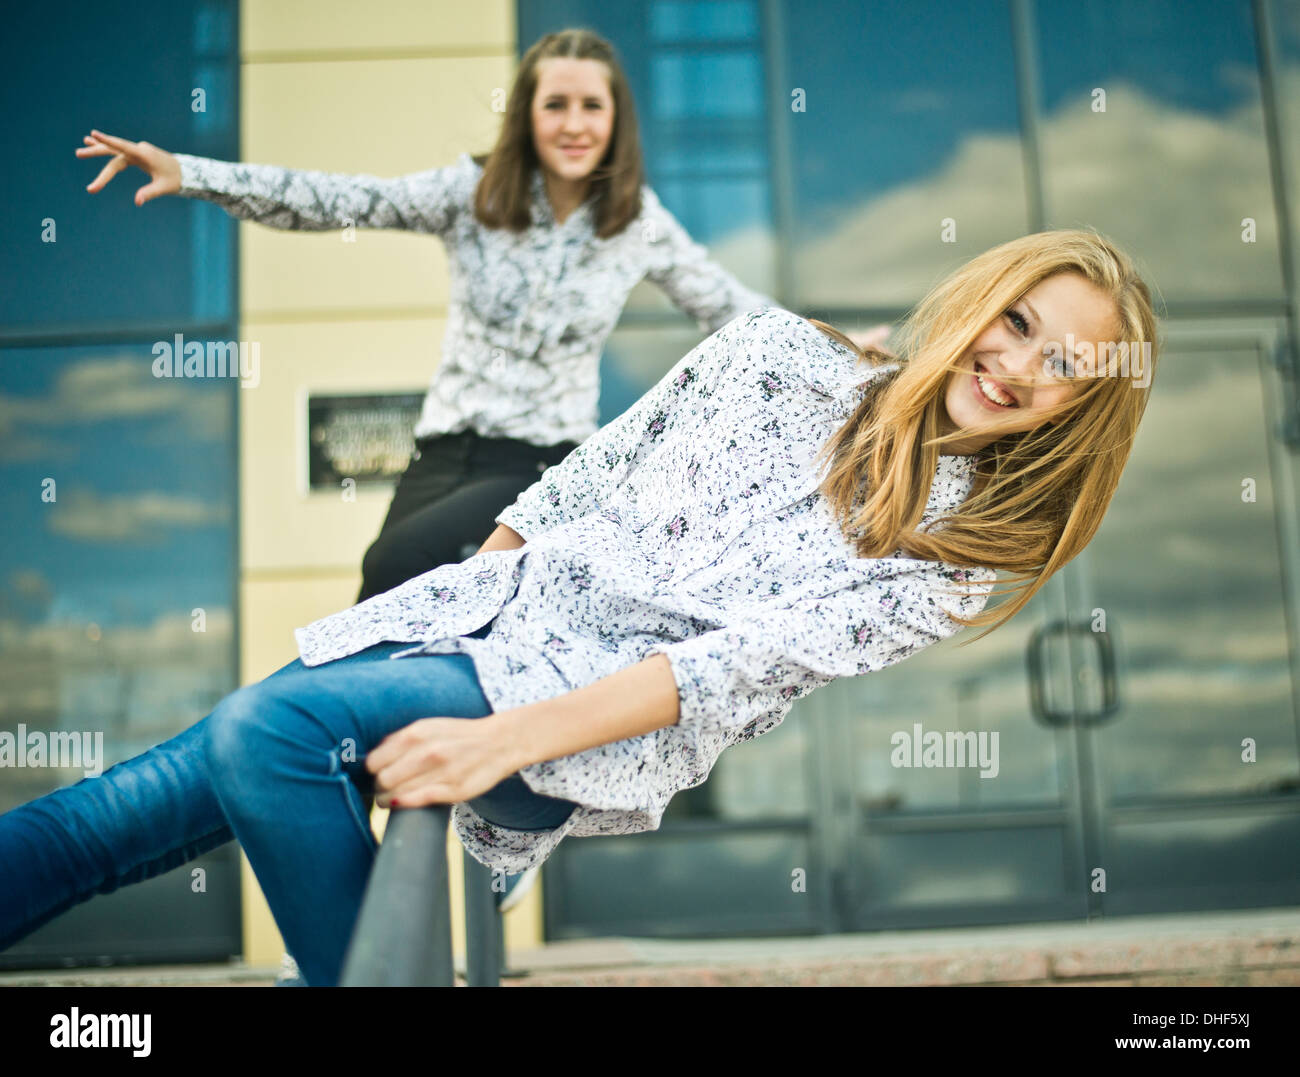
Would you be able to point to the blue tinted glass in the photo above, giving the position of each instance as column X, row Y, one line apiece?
column 905, row 147
column 703, row 84
column 727, row 205
column 724, row 20
column 148, row 70
column 720, row 155
column 1199, row 54
column 118, row 492
column 1153, row 133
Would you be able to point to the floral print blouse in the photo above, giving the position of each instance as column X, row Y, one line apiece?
column 691, row 526
column 529, row 312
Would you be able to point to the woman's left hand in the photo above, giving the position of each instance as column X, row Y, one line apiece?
column 439, row 761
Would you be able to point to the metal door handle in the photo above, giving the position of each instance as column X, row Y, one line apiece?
column 1054, row 716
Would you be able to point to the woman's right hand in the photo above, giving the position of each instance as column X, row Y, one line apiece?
column 163, row 168
column 874, row 337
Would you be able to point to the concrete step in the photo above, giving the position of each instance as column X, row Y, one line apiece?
column 1250, row 948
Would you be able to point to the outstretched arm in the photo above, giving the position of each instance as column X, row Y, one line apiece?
column 735, row 678
column 287, row 198
column 719, row 686
column 689, row 277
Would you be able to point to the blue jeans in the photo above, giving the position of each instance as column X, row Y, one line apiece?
column 278, row 765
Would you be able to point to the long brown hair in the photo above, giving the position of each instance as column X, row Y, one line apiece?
column 502, row 197
column 1039, row 496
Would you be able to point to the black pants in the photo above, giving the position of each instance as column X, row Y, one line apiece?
column 446, row 503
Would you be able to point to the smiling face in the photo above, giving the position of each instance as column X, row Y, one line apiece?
column 1004, row 373
column 573, row 116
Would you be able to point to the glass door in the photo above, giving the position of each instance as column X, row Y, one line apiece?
column 954, row 804
column 1192, row 768
column 118, row 488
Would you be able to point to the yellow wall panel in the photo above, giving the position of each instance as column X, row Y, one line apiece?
column 303, row 277
column 381, row 118
column 273, row 607
column 283, row 527
column 289, row 26
column 386, row 88
column 384, row 117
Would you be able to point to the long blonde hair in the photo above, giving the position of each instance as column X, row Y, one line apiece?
column 1039, row 496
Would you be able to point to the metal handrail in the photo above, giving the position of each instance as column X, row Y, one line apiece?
column 403, row 933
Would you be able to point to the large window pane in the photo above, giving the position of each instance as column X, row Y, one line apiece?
column 117, row 489
column 1188, row 563
column 906, row 157
column 74, row 259
column 1178, row 160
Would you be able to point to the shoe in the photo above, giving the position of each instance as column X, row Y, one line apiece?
column 517, row 887
column 289, row 975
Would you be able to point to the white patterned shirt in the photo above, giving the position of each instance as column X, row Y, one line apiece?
column 529, row 312
column 690, row 526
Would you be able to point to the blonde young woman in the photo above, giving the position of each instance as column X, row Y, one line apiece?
column 772, row 515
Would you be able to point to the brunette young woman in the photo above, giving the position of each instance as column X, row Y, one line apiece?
column 545, row 236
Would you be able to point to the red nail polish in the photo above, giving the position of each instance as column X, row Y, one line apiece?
column 393, row 803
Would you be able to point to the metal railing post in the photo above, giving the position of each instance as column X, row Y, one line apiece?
column 403, row 933
column 483, row 929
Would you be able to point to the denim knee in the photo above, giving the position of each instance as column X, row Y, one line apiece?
column 231, row 732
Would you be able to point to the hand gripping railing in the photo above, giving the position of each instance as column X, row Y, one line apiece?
column 403, row 934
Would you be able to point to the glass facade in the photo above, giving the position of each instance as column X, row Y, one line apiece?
column 844, row 157
column 119, row 486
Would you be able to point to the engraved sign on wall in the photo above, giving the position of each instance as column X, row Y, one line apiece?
column 367, row 437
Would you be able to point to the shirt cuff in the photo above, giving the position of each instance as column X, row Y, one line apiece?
column 710, row 699
column 191, row 183
column 518, row 518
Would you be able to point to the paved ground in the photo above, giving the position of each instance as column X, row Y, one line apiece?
column 1252, row 948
